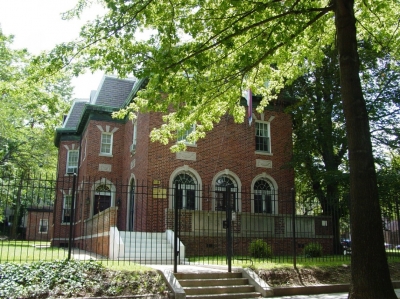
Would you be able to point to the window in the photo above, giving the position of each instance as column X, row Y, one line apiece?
column 66, row 217
column 43, row 226
column 182, row 135
column 133, row 146
column 262, row 137
column 72, row 161
column 106, row 143
column 185, row 192
column 263, row 197
column 102, row 199
column 225, row 192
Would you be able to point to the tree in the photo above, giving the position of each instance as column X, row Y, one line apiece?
column 320, row 143
column 201, row 54
column 30, row 110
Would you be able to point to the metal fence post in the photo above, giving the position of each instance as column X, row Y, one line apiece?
column 294, row 226
column 229, row 229
column 71, row 223
column 176, row 224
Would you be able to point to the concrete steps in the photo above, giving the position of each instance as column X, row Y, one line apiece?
column 146, row 248
column 216, row 285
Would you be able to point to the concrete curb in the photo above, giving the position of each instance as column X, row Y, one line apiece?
column 319, row 289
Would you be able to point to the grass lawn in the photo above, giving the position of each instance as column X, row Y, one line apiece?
column 29, row 251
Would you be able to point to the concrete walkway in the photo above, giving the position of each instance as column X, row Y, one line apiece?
column 325, row 296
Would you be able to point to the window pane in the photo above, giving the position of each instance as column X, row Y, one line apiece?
column 72, row 161
column 182, row 135
column 191, row 199
column 262, row 137
column 106, row 143
column 43, row 225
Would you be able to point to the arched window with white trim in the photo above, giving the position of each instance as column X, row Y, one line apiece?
column 226, row 191
column 265, row 195
column 184, row 186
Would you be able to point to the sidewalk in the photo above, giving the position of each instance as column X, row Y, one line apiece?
column 324, row 296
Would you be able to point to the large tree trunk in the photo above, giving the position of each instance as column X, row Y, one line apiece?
column 370, row 277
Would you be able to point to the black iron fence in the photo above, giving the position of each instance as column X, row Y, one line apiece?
column 85, row 218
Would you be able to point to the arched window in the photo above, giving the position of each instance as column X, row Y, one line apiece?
column 102, row 199
column 185, row 192
column 263, row 197
column 225, row 187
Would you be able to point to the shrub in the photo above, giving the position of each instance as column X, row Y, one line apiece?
column 313, row 250
column 260, row 249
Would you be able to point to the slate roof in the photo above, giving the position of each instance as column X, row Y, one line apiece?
column 74, row 115
column 113, row 92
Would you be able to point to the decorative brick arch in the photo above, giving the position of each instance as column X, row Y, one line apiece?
column 193, row 173
column 106, row 182
column 274, row 191
column 237, row 183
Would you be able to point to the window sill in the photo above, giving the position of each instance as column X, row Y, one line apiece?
column 105, row 155
column 263, row 153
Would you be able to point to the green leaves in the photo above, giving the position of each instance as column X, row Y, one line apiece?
column 66, row 279
column 200, row 55
column 31, row 106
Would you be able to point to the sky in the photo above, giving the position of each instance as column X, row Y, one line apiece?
column 37, row 26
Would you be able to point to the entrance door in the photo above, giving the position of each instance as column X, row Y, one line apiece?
column 101, row 203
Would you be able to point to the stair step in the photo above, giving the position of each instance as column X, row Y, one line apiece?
column 208, row 275
column 213, row 282
column 230, row 296
column 218, row 289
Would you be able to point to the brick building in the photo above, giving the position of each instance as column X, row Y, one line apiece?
column 125, row 182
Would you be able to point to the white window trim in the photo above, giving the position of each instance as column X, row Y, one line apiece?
column 77, row 160
column 134, row 138
column 111, row 144
column 273, row 184
column 187, row 143
column 258, row 152
column 64, row 207
column 195, row 174
column 237, row 183
column 112, row 192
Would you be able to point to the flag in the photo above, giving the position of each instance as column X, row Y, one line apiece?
column 250, row 106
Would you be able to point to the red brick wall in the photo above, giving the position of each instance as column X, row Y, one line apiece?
column 228, row 146
column 33, row 221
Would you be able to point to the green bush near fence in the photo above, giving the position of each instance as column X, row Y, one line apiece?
column 313, row 250
column 260, row 249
